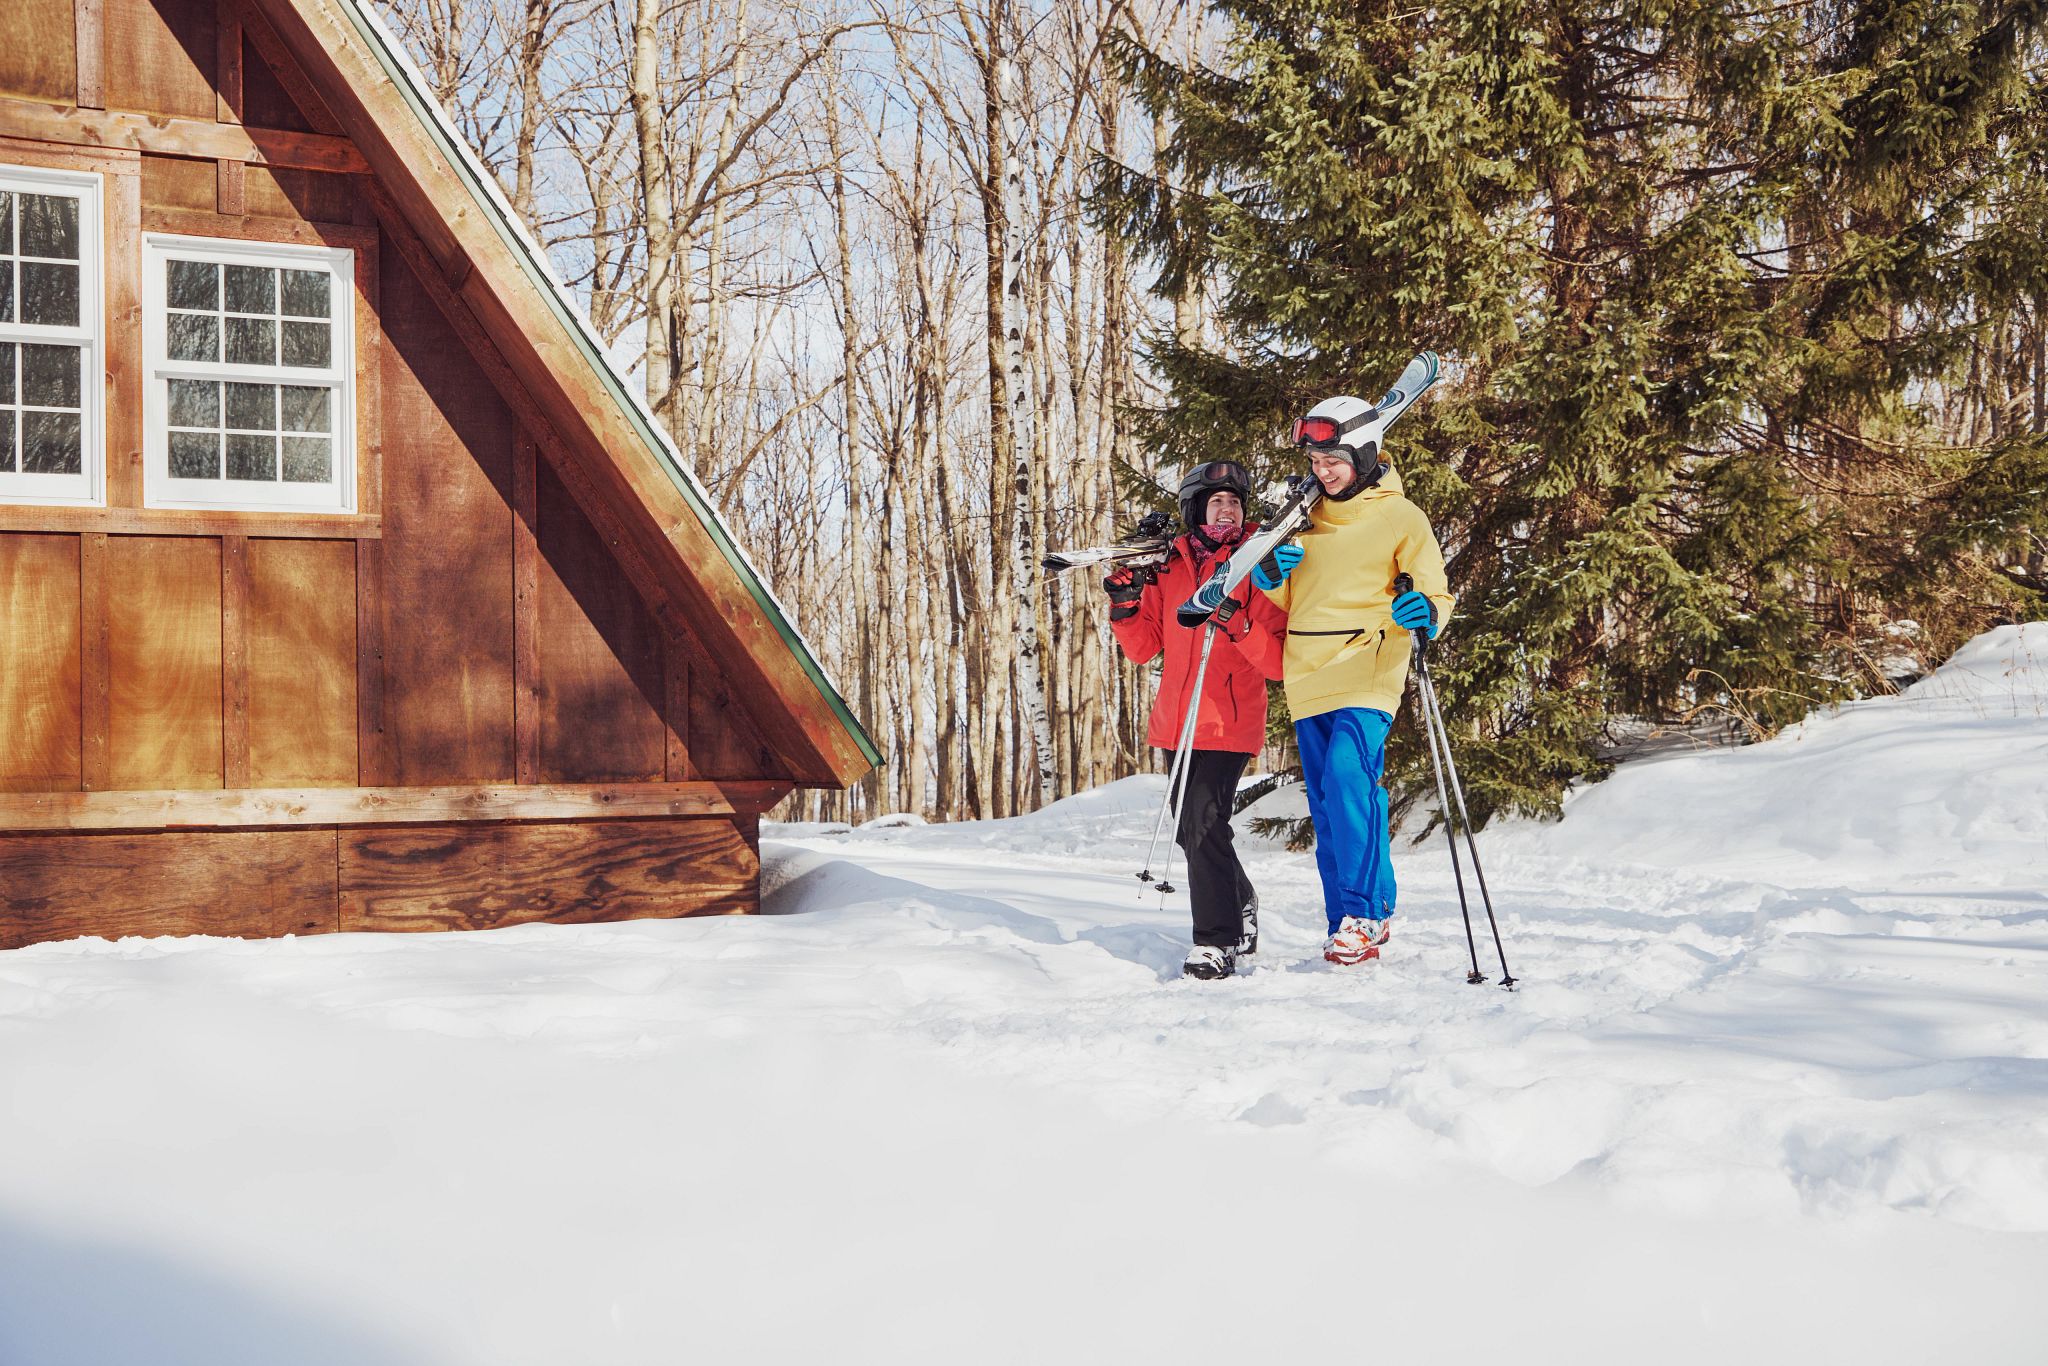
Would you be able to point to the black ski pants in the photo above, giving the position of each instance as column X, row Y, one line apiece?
column 1217, row 885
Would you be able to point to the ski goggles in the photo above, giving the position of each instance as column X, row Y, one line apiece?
column 1221, row 472
column 1324, row 433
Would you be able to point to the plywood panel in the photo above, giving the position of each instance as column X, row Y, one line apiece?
column 302, row 663
column 178, row 183
column 40, row 723
column 163, row 662
column 447, row 549
column 304, row 196
column 600, row 654
column 160, row 56
column 39, row 53
column 254, row 883
column 724, row 742
column 467, row 878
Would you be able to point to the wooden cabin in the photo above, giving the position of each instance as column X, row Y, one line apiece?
column 344, row 584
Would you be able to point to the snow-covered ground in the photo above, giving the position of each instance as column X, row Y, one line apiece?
column 1775, row 1085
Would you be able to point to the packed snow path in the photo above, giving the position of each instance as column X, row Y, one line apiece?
column 1775, row 1085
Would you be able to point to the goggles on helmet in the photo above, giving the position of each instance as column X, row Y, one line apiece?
column 1315, row 431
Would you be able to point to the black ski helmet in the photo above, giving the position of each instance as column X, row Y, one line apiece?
column 1336, row 426
column 1218, row 476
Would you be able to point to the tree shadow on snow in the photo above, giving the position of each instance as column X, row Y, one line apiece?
column 68, row 1301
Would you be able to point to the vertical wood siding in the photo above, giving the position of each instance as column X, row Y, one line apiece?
column 40, row 722
column 164, row 661
column 448, row 630
column 302, row 663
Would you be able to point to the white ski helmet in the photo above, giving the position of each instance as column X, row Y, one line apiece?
column 1344, row 427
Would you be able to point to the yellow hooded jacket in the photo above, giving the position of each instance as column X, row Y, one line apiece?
column 1343, row 648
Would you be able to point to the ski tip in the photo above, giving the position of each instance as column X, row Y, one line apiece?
column 1055, row 563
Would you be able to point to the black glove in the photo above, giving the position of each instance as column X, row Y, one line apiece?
column 1126, row 586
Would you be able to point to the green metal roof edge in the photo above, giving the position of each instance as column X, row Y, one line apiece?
column 498, row 215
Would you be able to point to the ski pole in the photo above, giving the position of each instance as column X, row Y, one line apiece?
column 1440, row 735
column 1180, row 796
column 1176, row 782
column 1443, row 804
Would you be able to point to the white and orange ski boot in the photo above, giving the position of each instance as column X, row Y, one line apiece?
column 1357, row 940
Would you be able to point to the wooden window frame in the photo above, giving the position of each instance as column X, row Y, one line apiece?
column 338, row 497
column 88, row 488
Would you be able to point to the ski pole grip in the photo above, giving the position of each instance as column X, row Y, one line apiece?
column 1404, row 583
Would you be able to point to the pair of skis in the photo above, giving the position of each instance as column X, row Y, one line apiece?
column 1200, row 610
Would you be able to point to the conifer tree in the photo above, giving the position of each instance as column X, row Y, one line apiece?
column 1707, row 274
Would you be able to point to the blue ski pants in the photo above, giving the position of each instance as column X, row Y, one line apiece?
column 1342, row 755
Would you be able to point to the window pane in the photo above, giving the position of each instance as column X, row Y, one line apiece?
column 306, row 345
column 195, row 455
column 6, row 223
column 305, row 410
column 49, row 294
column 252, row 457
column 6, row 372
column 6, row 291
column 49, row 226
column 52, row 443
column 49, row 375
column 6, row 441
column 193, row 336
column 252, row 407
column 250, row 289
column 306, row 460
column 251, row 341
column 305, row 293
column 195, row 403
column 192, row 284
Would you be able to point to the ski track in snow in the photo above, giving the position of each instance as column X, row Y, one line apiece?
column 1694, row 1044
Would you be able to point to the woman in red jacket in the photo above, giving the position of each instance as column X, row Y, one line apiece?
column 1231, row 725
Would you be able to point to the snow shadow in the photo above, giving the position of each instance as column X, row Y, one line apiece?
column 67, row 1301
column 804, row 882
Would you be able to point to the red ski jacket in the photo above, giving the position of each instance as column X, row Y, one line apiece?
column 1233, row 714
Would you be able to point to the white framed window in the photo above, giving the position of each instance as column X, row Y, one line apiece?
column 250, row 348
column 52, row 375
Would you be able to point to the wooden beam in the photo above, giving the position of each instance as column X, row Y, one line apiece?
column 251, row 808
column 283, row 66
column 373, row 765
column 526, row 607
column 178, row 137
column 124, row 347
column 228, row 63
column 90, row 17
column 230, row 195
column 254, row 228
column 675, row 711
column 234, row 660
column 139, row 521
column 95, row 698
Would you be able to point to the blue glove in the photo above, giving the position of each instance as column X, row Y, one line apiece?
column 1272, row 571
column 1414, row 612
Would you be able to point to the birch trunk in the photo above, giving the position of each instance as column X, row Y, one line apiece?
column 1026, row 539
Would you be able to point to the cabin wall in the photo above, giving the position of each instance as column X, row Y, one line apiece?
column 469, row 625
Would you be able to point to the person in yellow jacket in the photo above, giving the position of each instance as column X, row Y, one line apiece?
column 1349, row 637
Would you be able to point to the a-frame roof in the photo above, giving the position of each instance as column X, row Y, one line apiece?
column 555, row 361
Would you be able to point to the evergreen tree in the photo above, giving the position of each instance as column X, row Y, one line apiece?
column 1708, row 276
